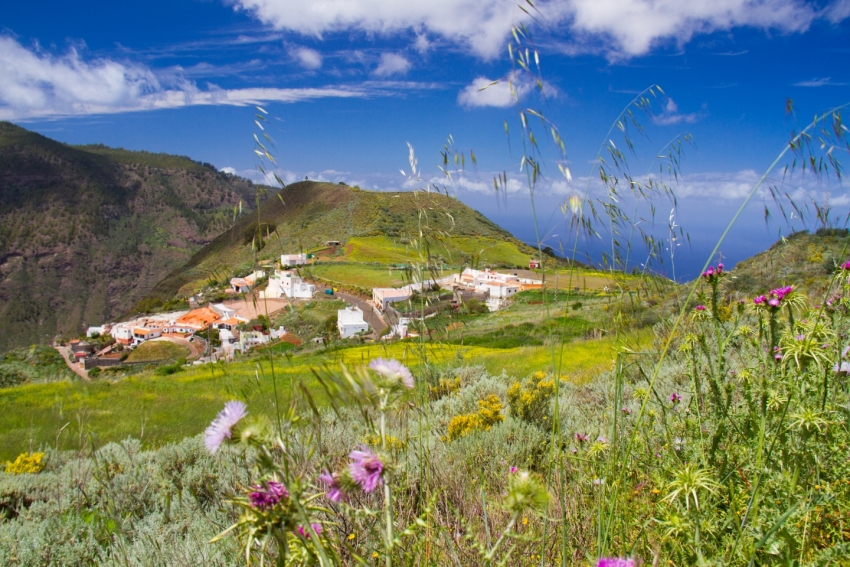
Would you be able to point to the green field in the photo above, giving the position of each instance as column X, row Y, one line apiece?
column 362, row 275
column 454, row 251
column 154, row 351
column 159, row 409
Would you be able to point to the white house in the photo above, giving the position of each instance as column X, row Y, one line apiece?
column 244, row 285
column 123, row 333
column 102, row 330
column 223, row 310
column 499, row 290
column 227, row 329
column 142, row 334
column 286, row 283
column 350, row 322
column 383, row 296
column 289, row 260
column 250, row 339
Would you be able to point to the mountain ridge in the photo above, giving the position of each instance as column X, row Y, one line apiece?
column 86, row 231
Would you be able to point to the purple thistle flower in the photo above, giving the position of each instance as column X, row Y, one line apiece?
column 366, row 469
column 305, row 534
column 513, row 470
column 700, row 307
column 759, row 300
column 675, row 397
column 845, row 266
column 392, row 370
column 719, row 267
column 581, row 437
column 773, row 302
column 627, row 411
column 616, row 562
column 264, row 498
column 335, row 492
column 220, row 427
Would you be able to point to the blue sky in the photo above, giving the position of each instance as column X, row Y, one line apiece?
column 348, row 83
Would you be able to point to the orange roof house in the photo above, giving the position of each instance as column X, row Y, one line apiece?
column 198, row 319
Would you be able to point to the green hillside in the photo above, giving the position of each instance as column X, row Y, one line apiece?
column 803, row 259
column 85, row 232
column 374, row 228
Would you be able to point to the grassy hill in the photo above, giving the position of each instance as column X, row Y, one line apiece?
column 804, row 259
column 85, row 232
column 375, row 228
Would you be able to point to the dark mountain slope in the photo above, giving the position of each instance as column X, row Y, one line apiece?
column 85, row 232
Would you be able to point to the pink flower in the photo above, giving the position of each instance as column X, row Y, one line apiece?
column 773, row 302
column 581, row 437
column 616, row 562
column 845, row 266
column 266, row 497
column 700, row 308
column 627, row 411
column 366, row 469
column 719, row 267
column 335, row 492
column 220, row 428
column 305, row 534
column 513, row 470
column 675, row 397
column 759, row 300
column 393, row 370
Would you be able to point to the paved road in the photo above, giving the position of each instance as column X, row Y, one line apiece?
column 74, row 366
column 369, row 314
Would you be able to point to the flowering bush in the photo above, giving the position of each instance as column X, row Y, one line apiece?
column 530, row 400
column 489, row 414
column 26, row 463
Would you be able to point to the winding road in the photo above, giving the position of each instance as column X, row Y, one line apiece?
column 73, row 365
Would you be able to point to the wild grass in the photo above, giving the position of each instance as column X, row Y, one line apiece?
column 160, row 409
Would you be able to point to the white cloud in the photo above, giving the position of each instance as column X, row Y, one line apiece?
column 40, row 85
column 230, row 170
column 308, row 58
column 422, row 44
column 635, row 26
column 392, row 64
column 622, row 27
column 485, row 92
column 671, row 115
column 837, row 11
column 33, row 82
column 821, row 82
column 482, row 25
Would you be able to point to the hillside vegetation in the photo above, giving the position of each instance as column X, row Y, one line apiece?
column 374, row 227
column 86, row 232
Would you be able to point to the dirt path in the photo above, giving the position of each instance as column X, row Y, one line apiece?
column 246, row 308
column 75, row 368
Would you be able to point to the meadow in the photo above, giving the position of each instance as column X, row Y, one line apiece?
column 160, row 409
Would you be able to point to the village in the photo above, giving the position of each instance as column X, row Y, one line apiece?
column 223, row 330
